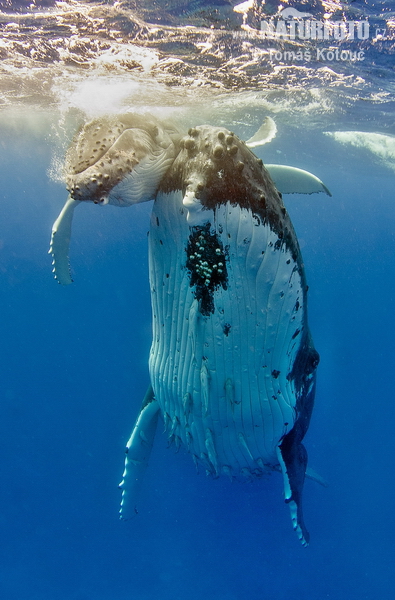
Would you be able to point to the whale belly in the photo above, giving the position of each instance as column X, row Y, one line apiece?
column 228, row 317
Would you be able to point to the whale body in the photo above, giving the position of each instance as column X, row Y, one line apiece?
column 232, row 363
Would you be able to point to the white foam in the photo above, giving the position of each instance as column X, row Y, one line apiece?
column 381, row 145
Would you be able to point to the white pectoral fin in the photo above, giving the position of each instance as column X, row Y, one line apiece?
column 138, row 450
column 292, row 457
column 60, row 242
column 266, row 133
column 290, row 180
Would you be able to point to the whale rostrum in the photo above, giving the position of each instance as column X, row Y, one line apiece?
column 232, row 363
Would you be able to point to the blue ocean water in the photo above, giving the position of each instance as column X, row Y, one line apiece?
column 74, row 371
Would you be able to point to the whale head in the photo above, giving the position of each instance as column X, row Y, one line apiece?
column 119, row 160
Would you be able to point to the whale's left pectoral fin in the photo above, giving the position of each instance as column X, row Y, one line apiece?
column 291, row 180
column 60, row 242
column 292, row 456
column 138, row 450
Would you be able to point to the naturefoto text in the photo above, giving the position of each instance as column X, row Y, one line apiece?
column 309, row 29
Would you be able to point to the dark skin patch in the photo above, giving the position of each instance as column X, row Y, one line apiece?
column 220, row 168
column 206, row 264
column 227, row 328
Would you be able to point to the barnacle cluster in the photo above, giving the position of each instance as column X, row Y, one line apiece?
column 206, row 262
column 202, row 268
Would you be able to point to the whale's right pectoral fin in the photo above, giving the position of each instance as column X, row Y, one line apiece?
column 60, row 242
column 138, row 450
column 291, row 180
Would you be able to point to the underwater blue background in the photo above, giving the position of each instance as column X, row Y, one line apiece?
column 74, row 371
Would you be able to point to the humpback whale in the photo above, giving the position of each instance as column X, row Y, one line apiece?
column 381, row 145
column 232, row 362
